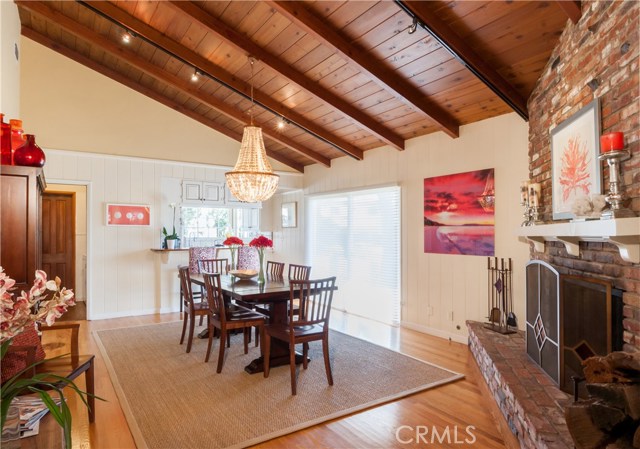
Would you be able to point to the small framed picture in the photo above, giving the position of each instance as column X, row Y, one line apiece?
column 290, row 215
column 575, row 167
column 128, row 214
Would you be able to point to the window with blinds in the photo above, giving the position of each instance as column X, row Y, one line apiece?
column 355, row 236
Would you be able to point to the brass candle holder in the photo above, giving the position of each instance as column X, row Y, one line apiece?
column 615, row 197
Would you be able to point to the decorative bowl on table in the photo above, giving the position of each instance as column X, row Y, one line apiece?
column 243, row 274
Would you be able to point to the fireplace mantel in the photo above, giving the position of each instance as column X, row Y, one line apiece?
column 621, row 232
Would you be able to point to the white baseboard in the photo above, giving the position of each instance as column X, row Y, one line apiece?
column 106, row 316
column 436, row 332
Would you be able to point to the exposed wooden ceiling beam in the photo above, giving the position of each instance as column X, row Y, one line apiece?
column 120, row 78
column 465, row 54
column 313, row 25
column 203, row 64
column 573, row 9
column 242, row 42
column 162, row 75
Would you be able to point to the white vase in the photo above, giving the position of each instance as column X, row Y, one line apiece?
column 171, row 243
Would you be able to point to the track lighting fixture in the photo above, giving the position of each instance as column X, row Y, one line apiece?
column 126, row 37
column 414, row 26
column 195, row 76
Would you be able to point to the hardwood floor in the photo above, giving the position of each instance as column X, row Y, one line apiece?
column 406, row 423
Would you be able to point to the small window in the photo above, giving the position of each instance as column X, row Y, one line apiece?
column 209, row 226
column 204, row 226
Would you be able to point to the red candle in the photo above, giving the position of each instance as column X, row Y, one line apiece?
column 611, row 142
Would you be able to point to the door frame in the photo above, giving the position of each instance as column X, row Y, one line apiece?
column 88, row 280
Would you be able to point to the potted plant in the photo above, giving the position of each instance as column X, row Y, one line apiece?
column 170, row 239
column 44, row 303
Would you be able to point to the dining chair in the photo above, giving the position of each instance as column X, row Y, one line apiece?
column 213, row 266
column 223, row 318
column 275, row 268
column 311, row 323
column 192, row 309
column 299, row 272
column 248, row 258
column 197, row 253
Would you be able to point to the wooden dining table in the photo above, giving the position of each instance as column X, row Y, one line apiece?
column 275, row 292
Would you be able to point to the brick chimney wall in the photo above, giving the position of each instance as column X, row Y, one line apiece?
column 601, row 49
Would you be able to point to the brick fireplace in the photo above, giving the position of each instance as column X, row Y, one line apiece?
column 598, row 57
column 595, row 58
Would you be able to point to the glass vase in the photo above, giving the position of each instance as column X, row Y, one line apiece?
column 261, row 273
column 11, row 428
column 233, row 258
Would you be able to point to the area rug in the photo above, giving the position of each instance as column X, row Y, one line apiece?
column 174, row 400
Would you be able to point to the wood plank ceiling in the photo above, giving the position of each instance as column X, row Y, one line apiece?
column 343, row 76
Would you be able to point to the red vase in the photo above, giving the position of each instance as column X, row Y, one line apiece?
column 29, row 154
column 5, row 142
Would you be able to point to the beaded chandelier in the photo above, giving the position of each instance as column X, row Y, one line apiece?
column 252, row 179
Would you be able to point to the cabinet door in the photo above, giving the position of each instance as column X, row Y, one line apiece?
column 212, row 193
column 191, row 192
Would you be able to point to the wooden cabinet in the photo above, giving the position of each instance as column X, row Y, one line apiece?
column 202, row 193
column 20, row 222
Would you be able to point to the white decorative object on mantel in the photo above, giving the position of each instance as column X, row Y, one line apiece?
column 621, row 232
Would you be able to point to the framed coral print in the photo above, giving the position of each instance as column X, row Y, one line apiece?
column 575, row 168
column 289, row 215
column 128, row 215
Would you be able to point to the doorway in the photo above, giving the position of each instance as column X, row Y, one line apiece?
column 64, row 241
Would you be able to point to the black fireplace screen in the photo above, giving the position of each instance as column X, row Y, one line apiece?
column 542, row 317
column 569, row 319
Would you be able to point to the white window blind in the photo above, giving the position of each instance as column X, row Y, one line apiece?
column 355, row 236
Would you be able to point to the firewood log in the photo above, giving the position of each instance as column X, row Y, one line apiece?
column 585, row 433
column 617, row 367
column 623, row 396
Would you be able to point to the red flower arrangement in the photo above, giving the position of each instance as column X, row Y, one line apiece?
column 261, row 242
column 233, row 241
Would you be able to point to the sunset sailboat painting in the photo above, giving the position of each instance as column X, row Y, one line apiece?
column 457, row 215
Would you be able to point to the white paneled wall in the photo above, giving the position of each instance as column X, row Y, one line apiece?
column 288, row 243
column 124, row 276
column 440, row 291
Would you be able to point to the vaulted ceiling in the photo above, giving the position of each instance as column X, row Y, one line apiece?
column 342, row 76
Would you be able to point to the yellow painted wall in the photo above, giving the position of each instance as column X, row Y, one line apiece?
column 70, row 107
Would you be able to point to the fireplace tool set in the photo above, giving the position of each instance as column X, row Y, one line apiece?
column 500, row 297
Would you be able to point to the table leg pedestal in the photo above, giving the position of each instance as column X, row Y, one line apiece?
column 257, row 365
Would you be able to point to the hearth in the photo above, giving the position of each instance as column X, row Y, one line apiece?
column 569, row 319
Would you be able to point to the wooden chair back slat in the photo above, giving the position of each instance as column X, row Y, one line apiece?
column 213, row 266
column 275, row 269
column 299, row 272
column 315, row 297
column 214, row 296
